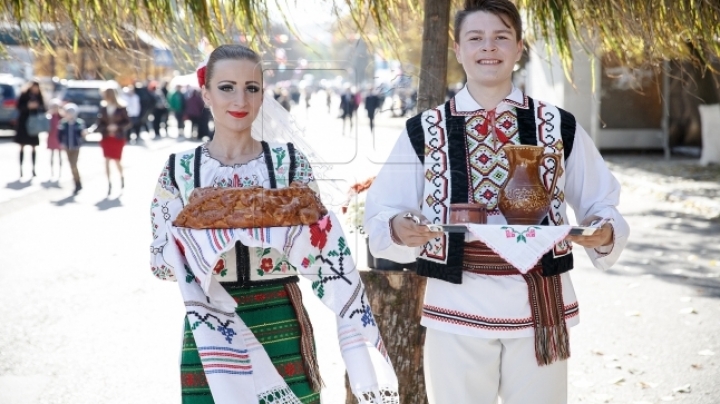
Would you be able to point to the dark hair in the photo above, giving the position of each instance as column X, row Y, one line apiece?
column 504, row 9
column 30, row 84
column 233, row 52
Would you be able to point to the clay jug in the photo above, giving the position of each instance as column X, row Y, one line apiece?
column 523, row 198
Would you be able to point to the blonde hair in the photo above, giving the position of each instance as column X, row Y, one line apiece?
column 110, row 92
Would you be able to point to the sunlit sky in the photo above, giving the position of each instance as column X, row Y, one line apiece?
column 311, row 18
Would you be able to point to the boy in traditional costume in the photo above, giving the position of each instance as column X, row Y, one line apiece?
column 492, row 330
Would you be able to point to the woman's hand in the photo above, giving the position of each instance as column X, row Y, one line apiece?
column 411, row 231
column 601, row 237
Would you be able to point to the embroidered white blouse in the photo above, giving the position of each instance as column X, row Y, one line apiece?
column 167, row 203
column 491, row 306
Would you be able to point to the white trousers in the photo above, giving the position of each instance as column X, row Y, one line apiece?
column 469, row 370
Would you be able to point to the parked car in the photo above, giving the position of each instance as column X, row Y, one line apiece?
column 10, row 88
column 86, row 95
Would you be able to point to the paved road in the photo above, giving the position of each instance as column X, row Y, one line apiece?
column 84, row 321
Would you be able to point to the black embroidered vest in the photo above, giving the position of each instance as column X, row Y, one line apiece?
column 457, row 156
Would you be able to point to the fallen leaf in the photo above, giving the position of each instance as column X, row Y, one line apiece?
column 688, row 310
column 613, row 366
column 634, row 371
column 617, row 380
column 696, row 366
column 647, row 385
column 632, row 313
column 682, row 389
column 598, row 353
column 706, row 352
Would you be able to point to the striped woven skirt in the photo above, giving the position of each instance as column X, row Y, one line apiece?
column 269, row 313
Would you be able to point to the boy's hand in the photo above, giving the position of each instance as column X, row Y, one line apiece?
column 411, row 231
column 602, row 237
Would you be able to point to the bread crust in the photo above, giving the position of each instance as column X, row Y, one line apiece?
column 250, row 207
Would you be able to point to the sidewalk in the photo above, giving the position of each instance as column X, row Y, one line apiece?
column 679, row 179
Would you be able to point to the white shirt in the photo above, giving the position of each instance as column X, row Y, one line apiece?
column 133, row 104
column 491, row 306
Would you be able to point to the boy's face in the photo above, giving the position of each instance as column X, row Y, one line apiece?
column 70, row 114
column 487, row 49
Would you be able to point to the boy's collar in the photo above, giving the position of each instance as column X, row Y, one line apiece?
column 463, row 104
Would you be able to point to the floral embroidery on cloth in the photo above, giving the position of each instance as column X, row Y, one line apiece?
column 520, row 245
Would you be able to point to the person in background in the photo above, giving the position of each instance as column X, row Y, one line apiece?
column 204, row 124
column 194, row 105
column 160, row 110
column 132, row 102
column 53, row 143
column 328, row 98
column 176, row 102
column 113, row 122
column 372, row 103
column 147, row 105
column 71, row 133
column 347, row 107
column 284, row 99
column 29, row 103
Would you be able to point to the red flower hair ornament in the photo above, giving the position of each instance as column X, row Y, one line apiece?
column 200, row 72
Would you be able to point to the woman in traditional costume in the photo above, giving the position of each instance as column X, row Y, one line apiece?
column 262, row 282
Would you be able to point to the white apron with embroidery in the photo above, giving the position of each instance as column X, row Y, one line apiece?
column 237, row 367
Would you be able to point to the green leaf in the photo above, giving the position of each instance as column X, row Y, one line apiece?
column 260, row 272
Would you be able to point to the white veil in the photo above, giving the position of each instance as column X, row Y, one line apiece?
column 275, row 124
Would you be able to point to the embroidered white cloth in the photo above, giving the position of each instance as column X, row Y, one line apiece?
column 521, row 246
column 320, row 253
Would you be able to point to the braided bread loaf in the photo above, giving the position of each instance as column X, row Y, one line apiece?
column 230, row 208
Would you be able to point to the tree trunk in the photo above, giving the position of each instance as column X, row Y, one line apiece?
column 396, row 300
column 433, row 64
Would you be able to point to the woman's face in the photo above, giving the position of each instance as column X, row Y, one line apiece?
column 35, row 89
column 109, row 96
column 234, row 94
